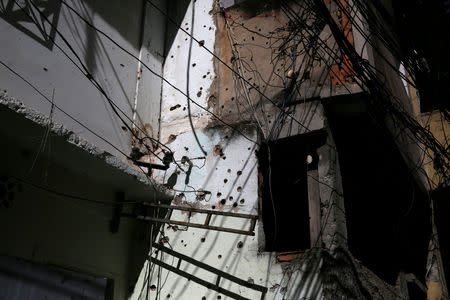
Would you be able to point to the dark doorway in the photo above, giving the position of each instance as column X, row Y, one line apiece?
column 283, row 167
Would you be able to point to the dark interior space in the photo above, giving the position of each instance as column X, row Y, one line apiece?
column 284, row 190
column 442, row 209
column 415, row 293
column 388, row 217
column 422, row 29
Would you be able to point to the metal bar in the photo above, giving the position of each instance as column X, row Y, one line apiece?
column 220, row 273
column 208, row 219
column 205, row 211
column 252, row 225
column 198, row 280
column 173, row 222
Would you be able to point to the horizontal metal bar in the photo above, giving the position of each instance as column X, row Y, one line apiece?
column 204, row 211
column 218, row 272
column 150, row 165
column 196, row 225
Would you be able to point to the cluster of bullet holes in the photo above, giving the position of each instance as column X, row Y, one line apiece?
column 8, row 187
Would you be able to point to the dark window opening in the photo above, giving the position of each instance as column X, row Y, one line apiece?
column 283, row 169
column 387, row 215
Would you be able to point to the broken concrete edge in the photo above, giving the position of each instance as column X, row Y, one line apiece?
column 72, row 138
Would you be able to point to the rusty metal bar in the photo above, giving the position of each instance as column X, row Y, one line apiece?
column 208, row 219
column 173, row 222
column 205, row 211
column 219, row 273
column 252, row 225
column 198, row 280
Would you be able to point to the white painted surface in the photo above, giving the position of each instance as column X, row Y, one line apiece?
column 232, row 176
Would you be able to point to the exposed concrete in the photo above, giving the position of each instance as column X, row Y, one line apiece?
column 334, row 230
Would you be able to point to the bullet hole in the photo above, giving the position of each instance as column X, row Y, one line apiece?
column 230, row 198
column 224, row 157
column 239, row 173
column 253, row 38
column 235, row 204
column 185, row 245
column 153, row 287
column 199, row 94
column 185, row 24
column 184, row 108
column 213, row 207
column 171, row 138
column 202, row 240
column 219, row 257
column 194, row 64
column 259, row 29
column 223, row 201
column 187, row 28
column 201, row 88
column 225, row 180
column 239, row 189
column 207, row 73
column 229, row 170
column 168, row 295
column 218, row 150
column 185, row 39
column 186, row 148
column 226, row 89
column 175, row 107
column 240, row 244
column 45, row 69
column 226, row 136
column 204, row 26
column 171, row 56
column 219, row 297
column 122, row 65
column 248, row 148
column 124, row 128
column 242, row 201
column 210, row 28
column 219, row 194
column 204, row 76
column 222, row 106
column 182, row 241
column 232, row 98
column 244, row 40
column 203, row 298
column 178, row 46
column 250, row 280
column 201, row 43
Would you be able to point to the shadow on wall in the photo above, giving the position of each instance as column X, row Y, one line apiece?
column 12, row 12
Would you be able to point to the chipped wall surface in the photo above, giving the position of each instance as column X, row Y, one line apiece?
column 254, row 41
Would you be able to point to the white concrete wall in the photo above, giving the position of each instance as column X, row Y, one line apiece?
column 217, row 174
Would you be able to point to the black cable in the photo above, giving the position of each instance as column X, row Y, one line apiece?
column 156, row 74
column 188, row 81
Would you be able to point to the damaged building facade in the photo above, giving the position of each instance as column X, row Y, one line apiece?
column 223, row 150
